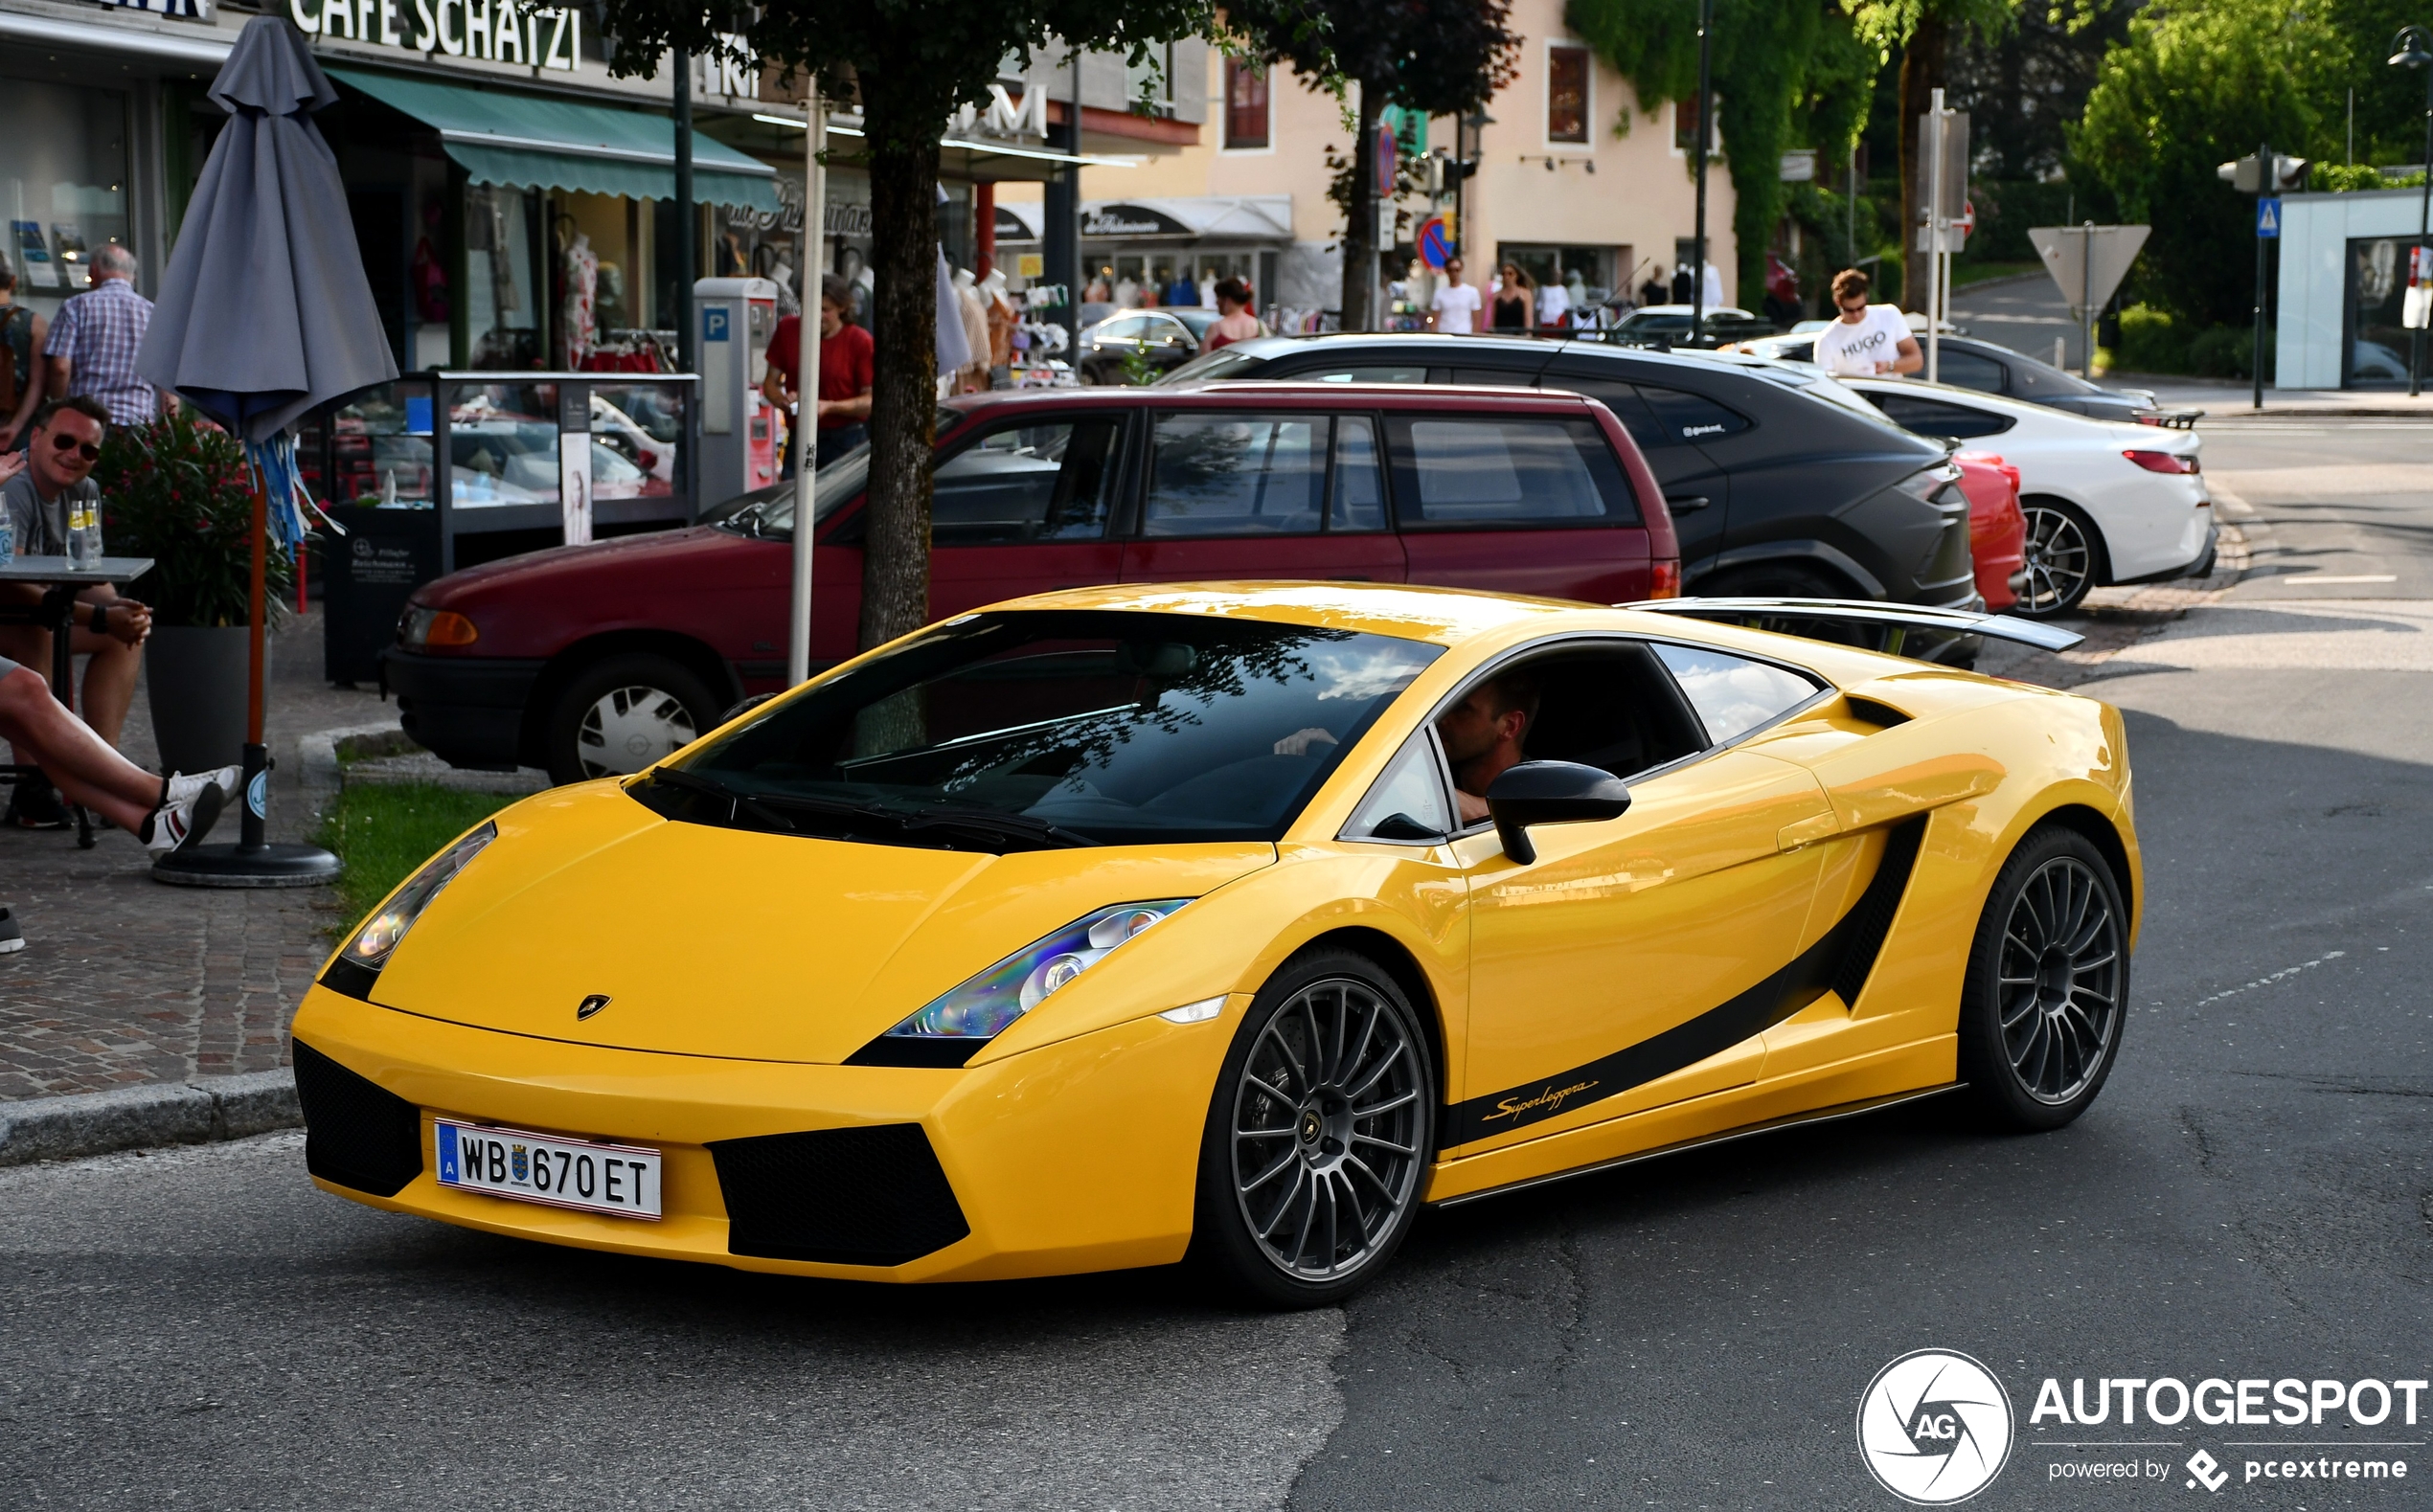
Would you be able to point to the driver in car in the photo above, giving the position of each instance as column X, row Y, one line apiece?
column 1483, row 735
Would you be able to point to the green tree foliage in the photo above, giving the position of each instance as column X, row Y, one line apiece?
column 2201, row 81
column 1436, row 57
column 1788, row 73
column 2390, row 101
column 911, row 62
column 1926, row 31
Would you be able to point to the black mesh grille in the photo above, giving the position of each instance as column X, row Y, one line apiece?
column 1872, row 919
column 873, row 1195
column 356, row 1133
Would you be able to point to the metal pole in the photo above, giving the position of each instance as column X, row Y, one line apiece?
column 1699, row 239
column 2267, row 181
column 687, row 232
column 1934, row 238
column 256, row 754
column 1850, row 192
column 798, row 641
column 1060, row 233
column 2086, row 300
column 2423, row 224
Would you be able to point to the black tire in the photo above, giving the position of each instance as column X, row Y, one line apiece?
column 2046, row 998
column 1282, row 1115
column 2065, row 558
column 659, row 701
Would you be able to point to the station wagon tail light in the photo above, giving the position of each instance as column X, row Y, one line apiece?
column 1664, row 578
column 377, row 939
column 2162, row 461
column 437, row 627
column 985, row 1005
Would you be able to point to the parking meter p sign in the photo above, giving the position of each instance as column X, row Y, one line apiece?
column 714, row 323
column 2268, row 219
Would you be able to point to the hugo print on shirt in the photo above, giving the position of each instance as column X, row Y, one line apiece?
column 1847, row 350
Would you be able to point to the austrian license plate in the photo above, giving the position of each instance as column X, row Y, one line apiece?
column 620, row 1179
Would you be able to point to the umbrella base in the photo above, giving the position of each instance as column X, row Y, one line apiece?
column 239, row 866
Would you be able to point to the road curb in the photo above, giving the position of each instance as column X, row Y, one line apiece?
column 196, row 1111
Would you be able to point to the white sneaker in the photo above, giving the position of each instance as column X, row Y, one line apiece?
column 12, row 937
column 180, row 822
column 182, row 787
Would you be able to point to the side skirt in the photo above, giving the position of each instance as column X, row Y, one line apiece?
column 1831, row 1114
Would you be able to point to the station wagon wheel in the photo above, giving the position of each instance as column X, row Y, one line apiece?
column 2060, row 557
column 2048, row 984
column 624, row 713
column 1319, row 1134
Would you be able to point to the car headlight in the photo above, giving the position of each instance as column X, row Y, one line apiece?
column 426, row 628
column 983, row 1006
column 377, row 938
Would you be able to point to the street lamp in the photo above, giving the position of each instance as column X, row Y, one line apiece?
column 2412, row 48
column 1698, row 240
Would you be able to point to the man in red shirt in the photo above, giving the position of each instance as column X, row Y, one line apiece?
column 844, row 372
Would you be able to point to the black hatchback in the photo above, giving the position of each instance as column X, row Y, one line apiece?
column 1781, row 482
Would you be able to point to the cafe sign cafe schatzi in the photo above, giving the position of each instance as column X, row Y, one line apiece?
column 495, row 31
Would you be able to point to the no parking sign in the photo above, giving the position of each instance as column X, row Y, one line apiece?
column 1436, row 245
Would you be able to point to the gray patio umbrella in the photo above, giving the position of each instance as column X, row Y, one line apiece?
column 265, row 314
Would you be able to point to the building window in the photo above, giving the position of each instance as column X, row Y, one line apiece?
column 1684, row 124
column 1245, row 105
column 1151, row 80
column 1566, row 93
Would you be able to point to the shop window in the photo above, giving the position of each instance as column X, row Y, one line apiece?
column 62, row 185
column 1566, row 93
column 503, row 316
column 1246, row 113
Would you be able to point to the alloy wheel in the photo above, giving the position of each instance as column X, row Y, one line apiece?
column 2060, row 983
column 2060, row 563
column 1326, row 1131
column 626, row 728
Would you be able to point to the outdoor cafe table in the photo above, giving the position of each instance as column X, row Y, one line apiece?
column 61, row 580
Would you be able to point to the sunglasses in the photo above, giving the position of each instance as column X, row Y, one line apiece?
column 84, row 449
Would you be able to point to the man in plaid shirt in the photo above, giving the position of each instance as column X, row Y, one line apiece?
column 94, row 338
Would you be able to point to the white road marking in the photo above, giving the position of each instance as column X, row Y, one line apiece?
column 2269, row 977
column 2353, row 577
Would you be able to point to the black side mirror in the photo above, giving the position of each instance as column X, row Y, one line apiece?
column 1550, row 793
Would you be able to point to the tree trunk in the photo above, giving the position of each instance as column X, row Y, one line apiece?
column 1922, row 70
column 1360, row 216
column 903, row 411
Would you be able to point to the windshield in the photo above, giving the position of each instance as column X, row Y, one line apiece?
column 770, row 510
column 1225, row 362
column 1020, row 731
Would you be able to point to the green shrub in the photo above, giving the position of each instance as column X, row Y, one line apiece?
column 2348, row 178
column 177, row 491
column 2151, row 341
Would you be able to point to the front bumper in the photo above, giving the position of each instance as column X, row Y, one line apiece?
column 468, row 710
column 1079, row 1155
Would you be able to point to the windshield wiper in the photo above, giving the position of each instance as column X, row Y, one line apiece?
column 740, row 802
column 1001, row 824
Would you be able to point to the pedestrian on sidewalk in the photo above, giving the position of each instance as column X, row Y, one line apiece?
column 22, row 367
column 1869, row 340
column 841, row 414
column 1454, row 310
column 93, row 343
column 40, row 487
column 1238, row 324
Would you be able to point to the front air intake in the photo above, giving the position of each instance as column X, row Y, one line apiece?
column 872, row 1195
column 356, row 1133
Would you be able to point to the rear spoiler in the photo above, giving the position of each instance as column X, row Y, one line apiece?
column 1895, row 619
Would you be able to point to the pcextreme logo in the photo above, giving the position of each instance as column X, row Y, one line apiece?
column 1935, row 1427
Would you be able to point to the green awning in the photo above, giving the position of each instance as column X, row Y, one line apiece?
column 536, row 142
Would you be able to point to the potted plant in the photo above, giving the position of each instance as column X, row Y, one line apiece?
column 176, row 490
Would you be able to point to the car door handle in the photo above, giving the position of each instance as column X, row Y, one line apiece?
column 1696, row 501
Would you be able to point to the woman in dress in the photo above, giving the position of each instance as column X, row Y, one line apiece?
column 1515, row 302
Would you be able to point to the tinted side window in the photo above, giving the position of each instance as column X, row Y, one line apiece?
column 1380, row 372
column 1359, row 476
column 1688, row 417
column 1940, row 417
column 1235, row 475
column 1048, row 482
column 1129, row 326
column 1486, row 474
column 1623, row 398
column 1511, row 377
column 1969, row 370
column 1733, row 694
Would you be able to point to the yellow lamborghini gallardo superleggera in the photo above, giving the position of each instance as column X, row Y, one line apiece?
column 1236, row 920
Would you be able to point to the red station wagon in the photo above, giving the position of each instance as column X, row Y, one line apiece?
column 600, row 659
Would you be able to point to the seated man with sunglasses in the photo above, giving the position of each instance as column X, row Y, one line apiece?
column 61, row 448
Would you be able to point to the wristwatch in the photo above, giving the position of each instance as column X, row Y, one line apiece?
column 100, row 618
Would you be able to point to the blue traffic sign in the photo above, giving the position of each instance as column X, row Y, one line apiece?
column 2268, row 219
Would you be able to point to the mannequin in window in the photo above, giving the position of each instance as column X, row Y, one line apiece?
column 1484, row 734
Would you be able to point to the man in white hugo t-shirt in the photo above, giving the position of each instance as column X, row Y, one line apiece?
column 1455, row 308
column 1870, row 340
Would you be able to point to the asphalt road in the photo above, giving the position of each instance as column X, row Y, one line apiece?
column 2252, row 1197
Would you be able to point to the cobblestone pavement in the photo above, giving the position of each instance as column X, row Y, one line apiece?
column 125, row 981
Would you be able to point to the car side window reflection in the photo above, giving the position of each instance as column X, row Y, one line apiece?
column 1359, row 476
column 1731, row 695
column 1050, row 482
column 1236, row 474
column 1969, row 370
column 1940, row 417
column 1408, row 802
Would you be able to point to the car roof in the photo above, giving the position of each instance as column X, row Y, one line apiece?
column 1440, row 346
column 1251, row 393
column 1998, row 403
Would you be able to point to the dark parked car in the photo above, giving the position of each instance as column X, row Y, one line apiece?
column 1968, row 363
column 1168, row 338
column 1780, row 480
column 591, row 660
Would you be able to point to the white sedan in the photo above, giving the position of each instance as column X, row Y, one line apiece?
column 2106, row 502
